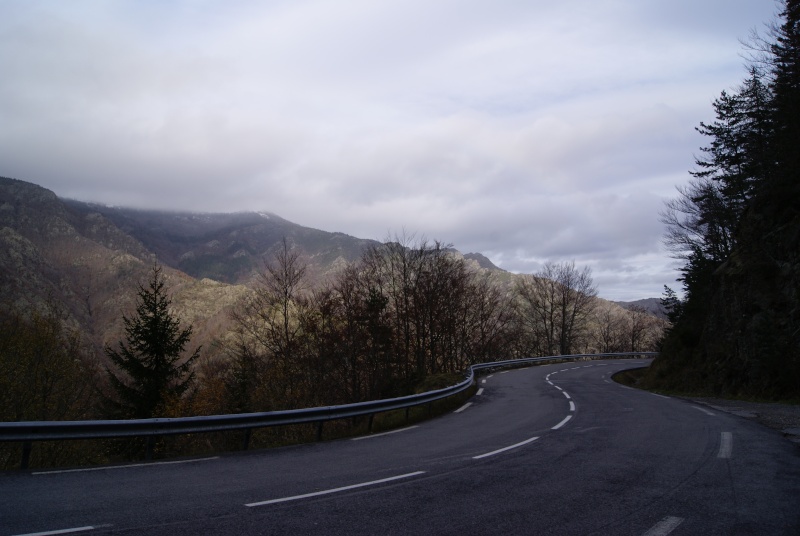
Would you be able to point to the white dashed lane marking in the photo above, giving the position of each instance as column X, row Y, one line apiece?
column 562, row 423
column 725, row 445
column 462, row 408
column 334, row 490
column 664, row 527
column 504, row 449
column 384, row 433
column 62, row 531
column 704, row 411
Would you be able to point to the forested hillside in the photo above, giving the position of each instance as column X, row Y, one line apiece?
column 94, row 324
column 736, row 225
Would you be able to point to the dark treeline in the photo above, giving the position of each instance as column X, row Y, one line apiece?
column 736, row 226
column 409, row 316
column 378, row 329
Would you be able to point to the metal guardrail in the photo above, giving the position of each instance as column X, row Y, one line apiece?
column 29, row 431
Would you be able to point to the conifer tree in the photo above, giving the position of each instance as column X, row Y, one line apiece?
column 737, row 226
column 151, row 369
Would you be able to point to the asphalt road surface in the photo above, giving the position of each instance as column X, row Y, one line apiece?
column 557, row 449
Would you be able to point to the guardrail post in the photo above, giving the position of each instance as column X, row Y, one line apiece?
column 246, row 438
column 371, row 418
column 148, row 453
column 319, row 430
column 26, row 455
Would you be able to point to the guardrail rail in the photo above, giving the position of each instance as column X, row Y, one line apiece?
column 28, row 432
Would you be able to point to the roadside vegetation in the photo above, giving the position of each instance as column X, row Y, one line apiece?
column 406, row 317
column 736, row 227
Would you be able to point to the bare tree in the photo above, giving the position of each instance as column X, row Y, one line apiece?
column 269, row 322
column 609, row 328
column 556, row 304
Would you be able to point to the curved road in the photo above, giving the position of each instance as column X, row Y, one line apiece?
column 557, row 449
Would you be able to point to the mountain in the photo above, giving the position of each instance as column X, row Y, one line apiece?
column 87, row 259
column 82, row 264
column 482, row 261
column 651, row 305
column 229, row 248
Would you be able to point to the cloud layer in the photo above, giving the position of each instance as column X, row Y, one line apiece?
column 525, row 130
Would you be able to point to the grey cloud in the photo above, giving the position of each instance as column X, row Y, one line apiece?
column 529, row 131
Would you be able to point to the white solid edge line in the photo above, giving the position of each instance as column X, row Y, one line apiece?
column 725, row 445
column 664, row 527
column 703, row 410
column 62, row 531
column 335, row 490
column 571, row 405
column 462, row 408
column 85, row 469
column 498, row 451
column 384, row 433
column 562, row 423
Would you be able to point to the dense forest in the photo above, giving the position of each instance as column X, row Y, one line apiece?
column 736, row 226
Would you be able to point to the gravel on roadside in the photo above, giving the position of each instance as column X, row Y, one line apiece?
column 782, row 417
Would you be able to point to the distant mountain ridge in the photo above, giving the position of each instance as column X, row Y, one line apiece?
column 87, row 258
column 651, row 305
column 226, row 247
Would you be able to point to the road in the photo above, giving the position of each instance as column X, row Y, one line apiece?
column 557, row 449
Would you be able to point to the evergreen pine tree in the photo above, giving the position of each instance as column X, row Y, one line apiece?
column 152, row 372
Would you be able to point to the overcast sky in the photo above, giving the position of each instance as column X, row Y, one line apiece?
column 526, row 130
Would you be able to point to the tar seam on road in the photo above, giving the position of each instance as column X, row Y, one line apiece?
column 725, row 445
column 498, row 451
column 384, row 433
column 85, row 469
column 335, row 490
column 664, row 527
column 62, row 531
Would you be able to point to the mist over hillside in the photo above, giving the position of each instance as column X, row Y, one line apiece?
column 228, row 248
column 88, row 259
